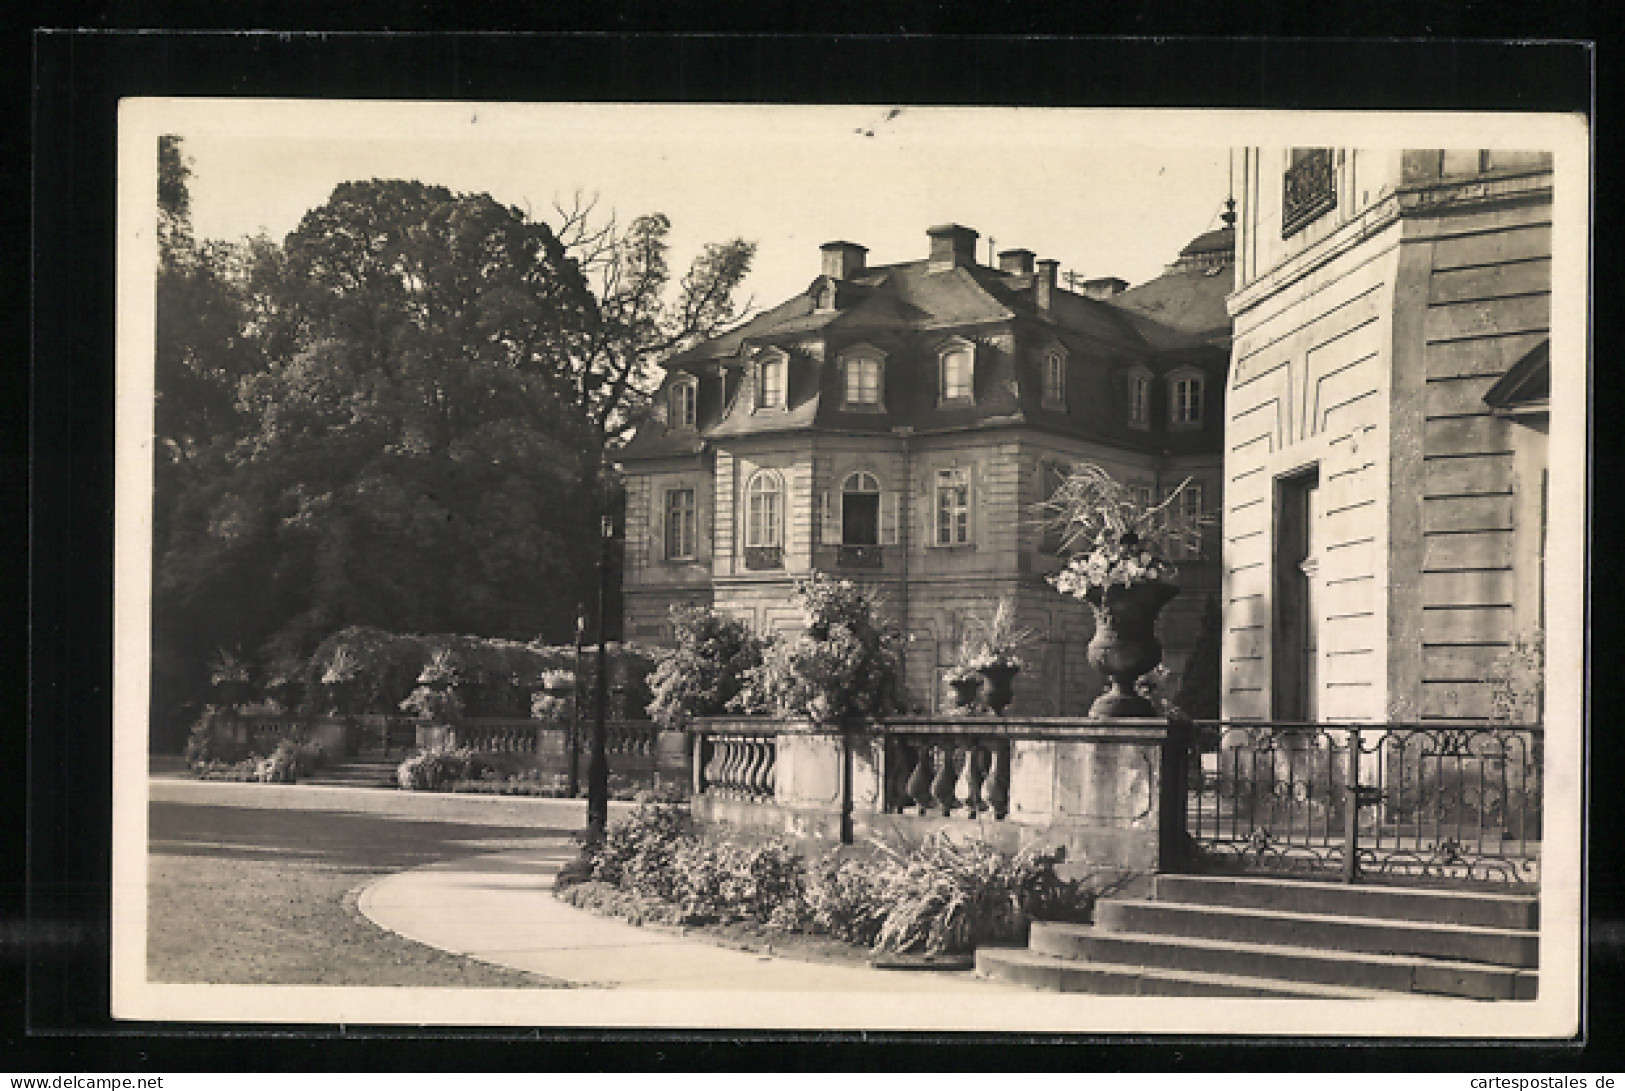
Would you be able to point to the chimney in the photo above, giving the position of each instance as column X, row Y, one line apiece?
column 1044, row 284
column 842, row 260
column 1019, row 262
column 1104, row 287
column 951, row 245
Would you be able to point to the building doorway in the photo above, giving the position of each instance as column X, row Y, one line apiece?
column 1296, row 622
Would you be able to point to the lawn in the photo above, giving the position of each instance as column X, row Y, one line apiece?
column 249, row 896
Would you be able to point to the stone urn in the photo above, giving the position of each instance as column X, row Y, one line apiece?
column 1000, row 678
column 965, row 690
column 1125, row 644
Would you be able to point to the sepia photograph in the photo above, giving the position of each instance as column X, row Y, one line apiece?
column 850, row 568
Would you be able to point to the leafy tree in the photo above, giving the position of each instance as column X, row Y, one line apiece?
column 706, row 667
column 614, row 362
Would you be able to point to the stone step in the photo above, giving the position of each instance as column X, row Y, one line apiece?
column 1442, row 906
column 1026, row 967
column 1347, row 969
column 1465, row 943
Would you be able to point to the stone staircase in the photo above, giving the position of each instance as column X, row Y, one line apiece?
column 361, row 771
column 1255, row 936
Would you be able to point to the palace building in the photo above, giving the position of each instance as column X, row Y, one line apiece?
column 1385, row 466
column 897, row 425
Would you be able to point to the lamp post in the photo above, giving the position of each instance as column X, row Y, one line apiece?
column 575, row 709
column 598, row 763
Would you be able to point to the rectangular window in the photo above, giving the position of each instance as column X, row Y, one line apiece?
column 771, row 394
column 1139, row 400
column 680, row 524
column 1055, row 381
column 863, row 382
column 1188, row 510
column 1188, row 401
column 682, row 405
column 956, row 375
column 953, row 508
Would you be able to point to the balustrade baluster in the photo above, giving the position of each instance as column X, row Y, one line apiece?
column 747, row 767
column 996, row 785
column 942, row 786
column 919, row 782
column 899, row 767
column 970, row 781
column 730, row 768
column 761, row 780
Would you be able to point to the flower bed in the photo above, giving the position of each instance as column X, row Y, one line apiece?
column 940, row 897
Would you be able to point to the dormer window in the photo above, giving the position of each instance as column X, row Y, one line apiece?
column 957, row 365
column 1054, row 379
column 770, row 382
column 1185, row 400
column 862, row 373
column 1139, row 399
column 684, row 401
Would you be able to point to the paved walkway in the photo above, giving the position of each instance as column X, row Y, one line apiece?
column 500, row 907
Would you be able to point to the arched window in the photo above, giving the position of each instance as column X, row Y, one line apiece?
column 958, row 371
column 684, row 402
column 770, row 385
column 764, row 511
column 860, row 509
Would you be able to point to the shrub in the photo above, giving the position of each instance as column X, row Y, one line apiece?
column 941, row 896
column 844, row 665
column 949, row 897
column 437, row 769
column 205, row 747
column 289, row 762
column 437, row 706
column 705, row 669
column 638, row 851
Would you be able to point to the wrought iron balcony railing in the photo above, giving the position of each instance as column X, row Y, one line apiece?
column 1309, row 189
column 764, row 558
column 861, row 556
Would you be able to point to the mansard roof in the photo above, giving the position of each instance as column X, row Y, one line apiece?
column 907, row 310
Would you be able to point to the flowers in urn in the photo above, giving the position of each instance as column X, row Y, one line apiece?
column 992, row 649
column 996, row 643
column 1114, row 536
column 1117, row 543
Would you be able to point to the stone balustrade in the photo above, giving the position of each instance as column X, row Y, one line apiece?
column 737, row 766
column 1091, row 786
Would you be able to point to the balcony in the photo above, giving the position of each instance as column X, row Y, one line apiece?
column 764, row 558
column 860, row 556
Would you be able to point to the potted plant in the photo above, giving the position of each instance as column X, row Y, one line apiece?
column 228, row 677
column 994, row 653
column 1117, row 549
column 965, row 683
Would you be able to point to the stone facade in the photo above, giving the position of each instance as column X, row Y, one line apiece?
column 1384, row 518
column 922, row 489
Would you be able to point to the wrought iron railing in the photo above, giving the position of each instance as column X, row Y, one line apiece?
column 861, row 556
column 763, row 558
column 1460, row 801
column 1308, row 189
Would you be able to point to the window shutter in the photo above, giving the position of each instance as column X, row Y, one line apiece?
column 890, row 511
column 702, row 526
column 831, row 532
column 657, row 524
column 977, row 479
